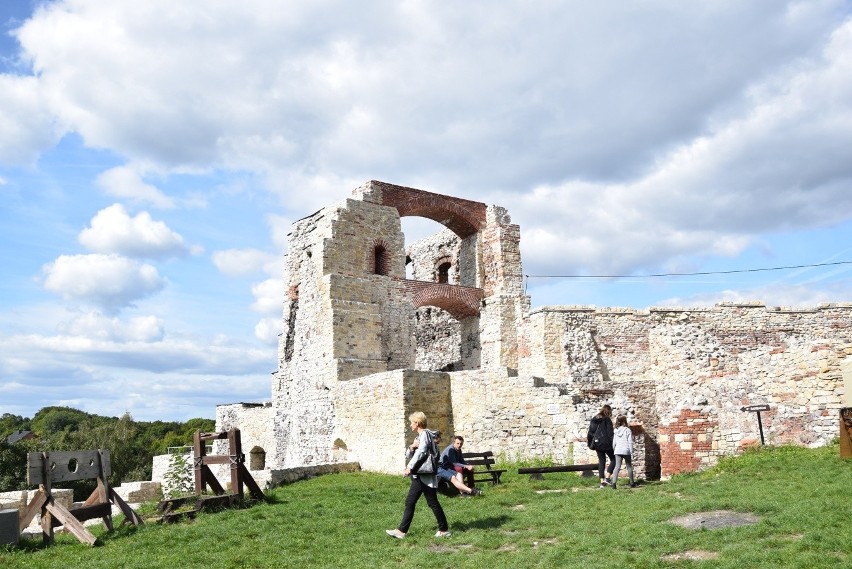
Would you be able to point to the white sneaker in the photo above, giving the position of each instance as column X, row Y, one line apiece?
column 443, row 534
column 395, row 533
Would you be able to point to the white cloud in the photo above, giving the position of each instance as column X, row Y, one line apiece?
column 772, row 295
column 112, row 230
column 682, row 126
column 238, row 262
column 96, row 326
column 151, row 378
column 268, row 295
column 279, row 226
column 267, row 330
column 778, row 166
column 108, row 281
column 126, row 182
column 27, row 126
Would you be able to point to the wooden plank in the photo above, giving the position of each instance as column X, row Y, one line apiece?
column 209, row 479
column 130, row 514
column 165, row 506
column 480, row 461
column 486, row 454
column 70, row 522
column 213, row 436
column 208, row 502
column 84, row 513
column 558, row 468
column 846, row 432
column 46, row 526
column 255, row 490
column 62, row 466
column 235, row 450
column 174, row 517
column 216, row 459
column 33, row 508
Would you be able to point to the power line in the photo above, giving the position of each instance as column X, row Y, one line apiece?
column 687, row 274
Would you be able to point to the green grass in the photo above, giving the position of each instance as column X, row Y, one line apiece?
column 802, row 497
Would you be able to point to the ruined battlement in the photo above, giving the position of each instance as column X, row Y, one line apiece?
column 376, row 328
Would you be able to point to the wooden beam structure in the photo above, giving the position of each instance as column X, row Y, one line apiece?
column 46, row 468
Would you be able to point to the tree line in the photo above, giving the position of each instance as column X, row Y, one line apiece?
column 131, row 444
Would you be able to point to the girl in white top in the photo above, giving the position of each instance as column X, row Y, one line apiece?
column 622, row 442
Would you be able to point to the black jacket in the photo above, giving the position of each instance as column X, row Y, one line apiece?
column 600, row 428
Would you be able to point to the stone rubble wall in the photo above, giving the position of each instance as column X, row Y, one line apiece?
column 706, row 364
column 523, row 383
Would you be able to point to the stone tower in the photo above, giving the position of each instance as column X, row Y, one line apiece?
column 350, row 312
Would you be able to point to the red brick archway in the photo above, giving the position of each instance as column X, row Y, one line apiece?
column 462, row 217
column 460, row 301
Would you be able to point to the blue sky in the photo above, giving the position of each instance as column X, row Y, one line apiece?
column 153, row 155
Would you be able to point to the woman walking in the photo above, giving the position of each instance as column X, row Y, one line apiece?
column 421, row 484
column 599, row 438
column 623, row 448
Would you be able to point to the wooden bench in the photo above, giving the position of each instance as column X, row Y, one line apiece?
column 537, row 472
column 480, row 459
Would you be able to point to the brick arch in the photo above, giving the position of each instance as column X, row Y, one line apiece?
column 460, row 301
column 462, row 217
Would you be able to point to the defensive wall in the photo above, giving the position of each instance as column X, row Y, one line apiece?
column 375, row 329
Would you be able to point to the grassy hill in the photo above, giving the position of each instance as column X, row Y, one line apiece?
column 800, row 497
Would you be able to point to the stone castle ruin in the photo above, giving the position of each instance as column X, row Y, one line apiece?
column 364, row 346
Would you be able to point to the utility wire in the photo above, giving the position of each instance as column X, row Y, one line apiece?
column 686, row 274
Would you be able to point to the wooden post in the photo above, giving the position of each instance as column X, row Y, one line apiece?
column 235, row 452
column 103, row 488
column 198, row 452
column 46, row 516
column 846, row 432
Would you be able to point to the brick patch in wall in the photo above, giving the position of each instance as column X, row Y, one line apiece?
column 687, row 442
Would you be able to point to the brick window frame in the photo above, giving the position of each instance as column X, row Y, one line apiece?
column 380, row 262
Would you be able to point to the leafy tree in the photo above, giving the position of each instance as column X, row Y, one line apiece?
column 10, row 423
column 56, row 419
column 13, row 466
column 132, row 444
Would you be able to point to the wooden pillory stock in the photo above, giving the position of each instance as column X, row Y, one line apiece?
column 204, row 477
column 46, row 468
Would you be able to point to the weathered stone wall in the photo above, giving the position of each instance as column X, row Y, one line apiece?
column 523, row 383
column 705, row 365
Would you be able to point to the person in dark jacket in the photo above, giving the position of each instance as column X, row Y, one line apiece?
column 451, row 467
column 599, row 438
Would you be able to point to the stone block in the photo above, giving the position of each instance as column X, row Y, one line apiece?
column 9, row 531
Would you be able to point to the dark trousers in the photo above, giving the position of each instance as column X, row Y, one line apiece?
column 628, row 461
column 602, row 454
column 414, row 491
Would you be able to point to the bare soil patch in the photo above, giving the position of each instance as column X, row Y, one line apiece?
column 692, row 555
column 715, row 520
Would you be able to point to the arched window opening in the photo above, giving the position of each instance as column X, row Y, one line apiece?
column 257, row 459
column 380, row 260
column 443, row 275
